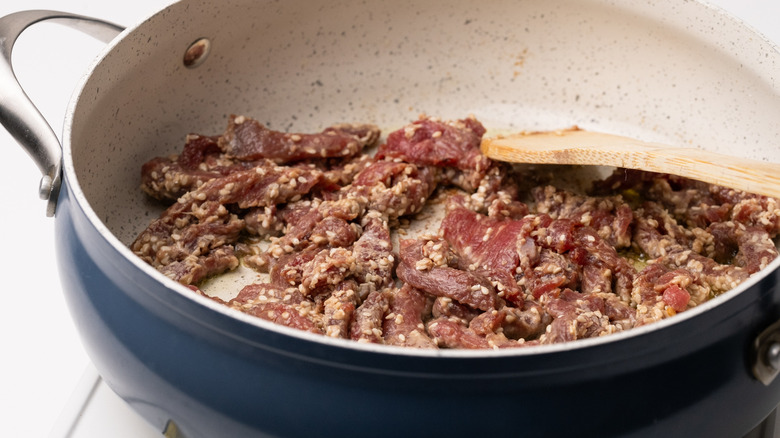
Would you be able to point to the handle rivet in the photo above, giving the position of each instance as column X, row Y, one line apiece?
column 44, row 188
column 197, row 53
column 773, row 355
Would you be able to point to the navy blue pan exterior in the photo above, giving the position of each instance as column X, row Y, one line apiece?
column 174, row 359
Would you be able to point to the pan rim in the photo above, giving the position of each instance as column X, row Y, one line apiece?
column 71, row 179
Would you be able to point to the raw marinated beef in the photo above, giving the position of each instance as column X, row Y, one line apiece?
column 516, row 261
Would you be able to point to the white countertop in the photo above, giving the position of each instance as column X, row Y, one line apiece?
column 43, row 359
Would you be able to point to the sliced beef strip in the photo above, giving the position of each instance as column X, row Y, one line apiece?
column 282, row 305
column 339, row 308
column 374, row 259
column 610, row 216
column 650, row 291
column 169, row 178
column 501, row 273
column 403, row 325
column 450, row 309
column 484, row 332
column 430, row 141
column 576, row 316
column 368, row 319
column 246, row 139
column 394, row 189
column 488, row 245
column 258, row 293
column 194, row 269
column 443, row 281
column 287, row 315
column 201, row 221
column 383, row 188
column 450, row 145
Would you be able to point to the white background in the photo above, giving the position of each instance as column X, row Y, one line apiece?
column 41, row 356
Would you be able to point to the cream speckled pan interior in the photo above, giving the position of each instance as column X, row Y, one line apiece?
column 635, row 69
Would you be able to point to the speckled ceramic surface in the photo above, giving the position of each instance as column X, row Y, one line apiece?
column 689, row 77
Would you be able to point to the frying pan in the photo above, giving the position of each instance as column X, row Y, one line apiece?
column 677, row 72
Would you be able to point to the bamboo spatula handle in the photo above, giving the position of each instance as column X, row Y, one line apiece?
column 576, row 146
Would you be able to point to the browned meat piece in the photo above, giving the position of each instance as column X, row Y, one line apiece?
column 260, row 186
column 562, row 254
column 247, row 140
column 756, row 249
column 442, row 281
column 369, row 318
column 432, row 142
column 603, row 270
column 757, row 211
column 317, row 223
column 553, row 272
column 712, row 276
column 500, row 273
column 403, row 325
column 259, row 293
column 610, row 216
column 506, row 208
column 659, row 236
column 340, row 174
column 264, row 221
column 199, row 222
column 447, row 333
column 545, row 254
column 330, row 258
column 194, row 269
column 650, row 287
column 696, row 203
column 313, row 268
column 373, row 252
column 687, row 201
column 452, row 146
column 576, row 316
column 464, row 287
column 384, row 188
column 448, row 308
column 179, row 242
column 288, row 269
column 658, row 233
column 199, row 150
column 393, row 188
column 487, row 244
column 484, row 332
column 334, row 231
column 339, row 308
column 284, row 314
column 285, row 306
column 526, row 323
column 750, row 247
column 168, row 178
column 329, row 267
column 202, row 159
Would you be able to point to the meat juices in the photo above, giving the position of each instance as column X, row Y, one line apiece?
column 516, row 260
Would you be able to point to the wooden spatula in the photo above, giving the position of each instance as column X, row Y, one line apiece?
column 575, row 146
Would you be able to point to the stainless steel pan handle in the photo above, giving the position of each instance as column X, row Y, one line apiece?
column 19, row 115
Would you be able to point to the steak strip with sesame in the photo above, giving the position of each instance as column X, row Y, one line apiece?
column 200, row 222
column 443, row 281
column 516, row 261
column 247, row 140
